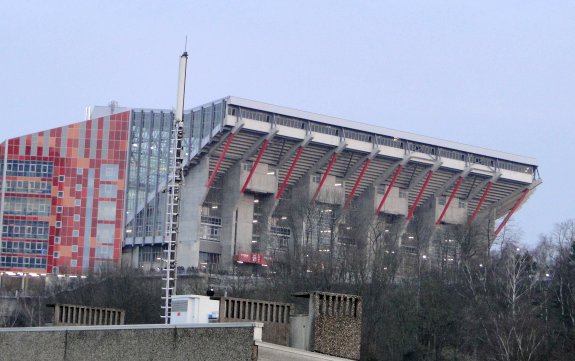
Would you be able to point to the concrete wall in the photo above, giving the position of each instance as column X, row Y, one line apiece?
column 231, row 341
column 393, row 204
column 454, row 214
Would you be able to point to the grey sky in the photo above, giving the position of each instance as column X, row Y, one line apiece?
column 496, row 74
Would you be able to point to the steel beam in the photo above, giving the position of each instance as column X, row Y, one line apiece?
column 262, row 150
column 450, row 199
column 478, row 207
column 358, row 180
column 519, row 201
column 283, row 160
column 220, row 159
column 395, row 175
column 410, row 214
column 254, row 148
column 325, row 174
column 286, row 179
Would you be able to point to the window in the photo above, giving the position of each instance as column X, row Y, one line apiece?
column 76, row 218
column 59, row 209
column 57, row 240
column 108, row 191
column 78, row 187
column 402, row 194
column 109, row 172
column 73, row 263
column 461, row 204
column 58, row 224
column 77, row 202
column 55, row 270
column 441, row 201
column 80, row 171
column 75, row 233
column 106, row 252
column 60, row 194
column 74, row 248
column 106, row 211
column 105, row 233
column 56, row 254
column 61, row 178
column 316, row 178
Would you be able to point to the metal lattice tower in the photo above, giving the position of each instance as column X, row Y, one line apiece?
column 173, row 195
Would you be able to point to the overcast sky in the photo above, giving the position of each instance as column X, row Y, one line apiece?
column 495, row 74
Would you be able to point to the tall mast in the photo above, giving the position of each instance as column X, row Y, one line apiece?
column 173, row 196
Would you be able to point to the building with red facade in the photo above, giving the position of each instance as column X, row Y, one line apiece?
column 63, row 195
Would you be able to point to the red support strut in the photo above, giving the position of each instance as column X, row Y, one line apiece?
column 356, row 183
column 331, row 162
column 478, row 207
column 399, row 167
column 284, row 184
column 511, row 212
column 450, row 199
column 262, row 150
column 419, row 195
column 215, row 172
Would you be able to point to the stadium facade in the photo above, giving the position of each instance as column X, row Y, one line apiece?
column 92, row 195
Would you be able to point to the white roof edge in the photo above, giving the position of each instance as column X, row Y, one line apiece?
column 379, row 130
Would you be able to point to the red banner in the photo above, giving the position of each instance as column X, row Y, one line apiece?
column 253, row 258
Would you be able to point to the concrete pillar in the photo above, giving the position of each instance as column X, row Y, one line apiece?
column 193, row 195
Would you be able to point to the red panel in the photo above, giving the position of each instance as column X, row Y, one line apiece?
column 419, row 195
column 333, row 158
column 399, row 167
column 220, row 159
column 300, row 150
column 485, row 192
column 352, row 193
column 450, row 199
column 252, row 258
column 519, row 201
column 262, row 150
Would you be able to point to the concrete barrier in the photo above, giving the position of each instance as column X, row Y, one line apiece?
column 225, row 341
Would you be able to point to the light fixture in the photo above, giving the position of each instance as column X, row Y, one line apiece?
column 255, row 221
column 214, row 207
column 411, row 237
column 284, row 218
column 254, row 241
column 424, row 257
column 256, row 200
column 240, row 262
column 271, row 172
column 337, row 185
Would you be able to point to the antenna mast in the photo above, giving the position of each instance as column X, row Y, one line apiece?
column 174, row 185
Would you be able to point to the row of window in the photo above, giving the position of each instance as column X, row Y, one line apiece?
column 27, row 206
column 27, row 229
column 29, row 168
column 24, row 247
column 22, row 262
column 31, row 187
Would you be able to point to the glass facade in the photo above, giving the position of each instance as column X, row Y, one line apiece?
column 150, row 154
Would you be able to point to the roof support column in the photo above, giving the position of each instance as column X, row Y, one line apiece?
column 325, row 174
column 449, row 200
column 262, row 150
column 478, row 207
column 410, row 214
column 351, row 194
column 519, row 201
column 293, row 164
column 395, row 175
column 220, row 159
